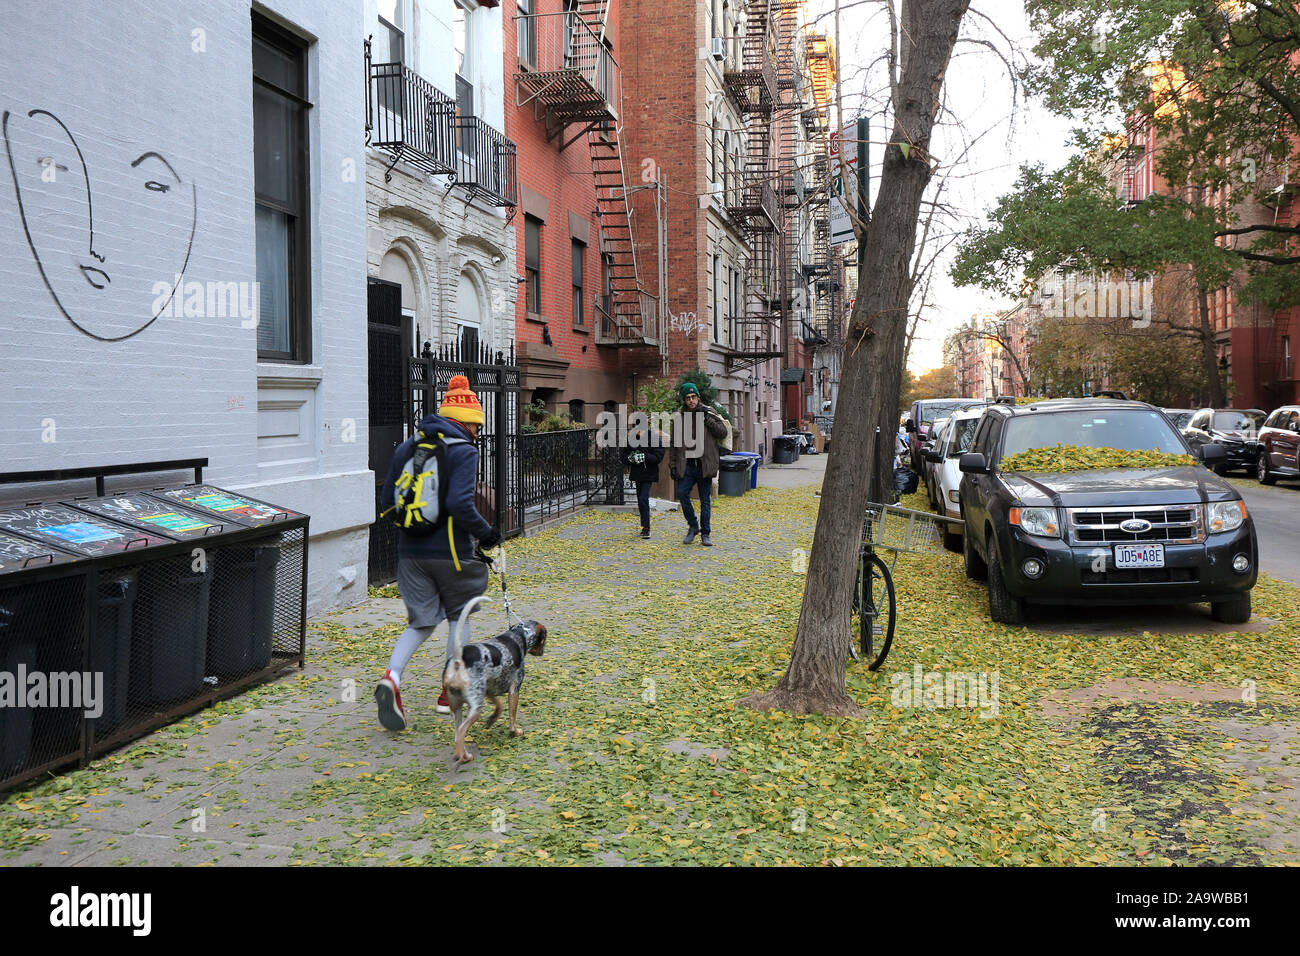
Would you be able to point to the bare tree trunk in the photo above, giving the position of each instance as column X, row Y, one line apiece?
column 814, row 682
column 1209, row 358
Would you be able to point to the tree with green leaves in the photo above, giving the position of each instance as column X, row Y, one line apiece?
column 1217, row 88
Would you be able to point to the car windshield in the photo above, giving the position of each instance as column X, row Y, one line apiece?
column 1180, row 419
column 963, row 434
column 932, row 412
column 1234, row 421
column 1135, row 429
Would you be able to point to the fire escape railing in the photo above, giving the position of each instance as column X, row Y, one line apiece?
column 565, row 69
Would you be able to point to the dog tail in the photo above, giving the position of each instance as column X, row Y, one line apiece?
column 455, row 674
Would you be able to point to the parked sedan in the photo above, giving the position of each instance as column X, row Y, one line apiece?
column 933, row 442
column 1236, row 429
column 947, row 474
column 1279, row 446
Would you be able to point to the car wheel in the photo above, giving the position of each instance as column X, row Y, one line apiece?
column 1004, row 607
column 1262, row 473
column 976, row 569
column 1220, row 470
column 1235, row 610
column 952, row 540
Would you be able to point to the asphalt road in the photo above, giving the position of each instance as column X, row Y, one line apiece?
column 1276, row 511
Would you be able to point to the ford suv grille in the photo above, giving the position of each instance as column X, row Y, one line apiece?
column 1102, row 525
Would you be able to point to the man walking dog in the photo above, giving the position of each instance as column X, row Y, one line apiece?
column 435, row 471
column 696, row 467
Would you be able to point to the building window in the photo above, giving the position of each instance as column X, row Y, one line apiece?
column 280, row 164
column 391, row 47
column 462, row 36
column 1287, row 368
column 575, row 411
column 533, row 265
column 606, row 291
column 579, row 254
column 717, row 304
column 526, row 39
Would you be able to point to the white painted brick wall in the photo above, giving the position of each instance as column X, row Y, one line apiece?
column 125, row 78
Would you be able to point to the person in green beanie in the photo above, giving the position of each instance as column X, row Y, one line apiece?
column 697, row 467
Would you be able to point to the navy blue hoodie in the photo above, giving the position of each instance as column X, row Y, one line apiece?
column 463, row 520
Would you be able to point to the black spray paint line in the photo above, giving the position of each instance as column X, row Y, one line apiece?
column 31, row 244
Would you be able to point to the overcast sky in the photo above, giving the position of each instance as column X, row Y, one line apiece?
column 980, row 94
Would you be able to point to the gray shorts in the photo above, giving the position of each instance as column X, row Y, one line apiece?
column 433, row 590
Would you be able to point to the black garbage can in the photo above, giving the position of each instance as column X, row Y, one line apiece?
column 170, row 628
column 241, row 617
column 785, row 449
column 733, row 474
column 17, row 655
column 114, row 609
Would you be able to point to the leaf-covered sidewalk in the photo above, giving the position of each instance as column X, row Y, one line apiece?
column 1133, row 749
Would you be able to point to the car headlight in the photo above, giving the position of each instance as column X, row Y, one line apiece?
column 953, row 497
column 1037, row 521
column 1225, row 515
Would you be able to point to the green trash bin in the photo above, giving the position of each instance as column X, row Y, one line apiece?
column 17, row 650
column 733, row 475
column 114, row 609
column 170, row 630
column 241, row 619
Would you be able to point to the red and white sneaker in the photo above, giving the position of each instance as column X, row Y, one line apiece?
column 389, row 698
column 444, row 705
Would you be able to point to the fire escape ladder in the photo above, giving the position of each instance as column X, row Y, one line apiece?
column 629, row 302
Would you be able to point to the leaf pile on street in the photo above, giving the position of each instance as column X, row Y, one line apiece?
column 1058, row 458
column 635, row 752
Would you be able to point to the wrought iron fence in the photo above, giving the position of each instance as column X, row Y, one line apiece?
column 485, row 162
column 409, row 117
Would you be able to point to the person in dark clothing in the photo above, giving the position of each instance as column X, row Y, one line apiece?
column 437, row 574
column 698, row 469
column 643, row 455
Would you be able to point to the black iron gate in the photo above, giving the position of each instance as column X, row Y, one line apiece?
column 387, row 347
column 495, row 378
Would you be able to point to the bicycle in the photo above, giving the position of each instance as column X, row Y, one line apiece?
column 895, row 529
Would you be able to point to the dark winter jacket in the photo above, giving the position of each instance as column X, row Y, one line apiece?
column 710, row 428
column 463, row 522
column 648, row 470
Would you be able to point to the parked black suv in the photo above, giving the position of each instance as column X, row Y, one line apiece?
column 1113, row 536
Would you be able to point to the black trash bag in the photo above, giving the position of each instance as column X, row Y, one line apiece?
column 905, row 480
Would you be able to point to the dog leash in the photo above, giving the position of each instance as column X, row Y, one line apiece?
column 505, row 593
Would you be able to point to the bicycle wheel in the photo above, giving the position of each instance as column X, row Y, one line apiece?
column 877, row 611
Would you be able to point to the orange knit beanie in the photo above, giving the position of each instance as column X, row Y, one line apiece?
column 459, row 403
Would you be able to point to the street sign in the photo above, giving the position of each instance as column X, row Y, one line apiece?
column 849, row 158
column 843, row 148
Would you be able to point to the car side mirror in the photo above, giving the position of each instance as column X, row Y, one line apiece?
column 1211, row 453
column 933, row 456
column 973, row 463
column 909, row 425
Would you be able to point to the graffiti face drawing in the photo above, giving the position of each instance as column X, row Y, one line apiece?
column 101, row 249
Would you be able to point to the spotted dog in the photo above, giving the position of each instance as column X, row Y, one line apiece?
column 486, row 669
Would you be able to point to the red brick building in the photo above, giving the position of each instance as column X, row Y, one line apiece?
column 655, row 150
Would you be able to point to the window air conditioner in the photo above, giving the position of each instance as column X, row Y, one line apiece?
column 719, row 48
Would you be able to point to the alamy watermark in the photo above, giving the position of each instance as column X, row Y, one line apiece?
column 937, row 690
column 1125, row 299
column 74, row 690
column 622, row 429
column 192, row 299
